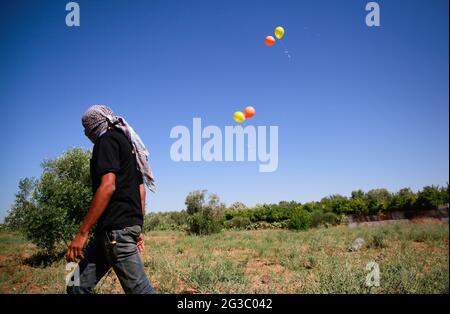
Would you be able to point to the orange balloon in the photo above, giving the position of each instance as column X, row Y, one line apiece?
column 270, row 40
column 249, row 112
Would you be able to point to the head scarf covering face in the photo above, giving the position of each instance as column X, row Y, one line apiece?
column 96, row 121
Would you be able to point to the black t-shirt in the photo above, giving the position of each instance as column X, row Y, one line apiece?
column 114, row 153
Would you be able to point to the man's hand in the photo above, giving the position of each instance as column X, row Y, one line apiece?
column 98, row 205
column 76, row 247
column 140, row 244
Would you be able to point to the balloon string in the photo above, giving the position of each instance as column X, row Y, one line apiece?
column 286, row 51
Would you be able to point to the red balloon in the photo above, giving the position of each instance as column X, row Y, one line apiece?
column 249, row 112
column 270, row 40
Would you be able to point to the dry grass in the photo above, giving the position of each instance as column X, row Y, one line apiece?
column 413, row 258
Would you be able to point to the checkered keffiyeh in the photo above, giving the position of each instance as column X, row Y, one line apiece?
column 96, row 121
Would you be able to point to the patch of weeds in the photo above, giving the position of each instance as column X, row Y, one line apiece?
column 208, row 277
column 310, row 262
column 428, row 235
column 378, row 240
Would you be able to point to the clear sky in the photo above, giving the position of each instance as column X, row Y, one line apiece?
column 356, row 107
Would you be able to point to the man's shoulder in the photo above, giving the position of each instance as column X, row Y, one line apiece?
column 106, row 138
column 116, row 136
column 113, row 134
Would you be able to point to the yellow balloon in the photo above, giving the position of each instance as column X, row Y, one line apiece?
column 279, row 32
column 239, row 117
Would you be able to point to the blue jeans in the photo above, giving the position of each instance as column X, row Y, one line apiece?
column 116, row 249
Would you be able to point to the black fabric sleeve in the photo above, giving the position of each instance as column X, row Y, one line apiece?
column 140, row 177
column 108, row 159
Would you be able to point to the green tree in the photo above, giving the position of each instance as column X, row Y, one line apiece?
column 59, row 201
column 358, row 194
column 404, row 199
column 300, row 220
column 195, row 201
column 204, row 217
column 237, row 206
column 429, row 198
column 378, row 200
column 337, row 204
column 358, row 206
column 444, row 195
column 17, row 218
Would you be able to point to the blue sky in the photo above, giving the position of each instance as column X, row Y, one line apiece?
column 356, row 107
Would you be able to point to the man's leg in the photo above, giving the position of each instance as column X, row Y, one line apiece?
column 91, row 269
column 126, row 262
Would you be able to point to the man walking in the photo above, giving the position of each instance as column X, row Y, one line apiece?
column 119, row 168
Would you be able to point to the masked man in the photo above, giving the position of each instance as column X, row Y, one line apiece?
column 119, row 172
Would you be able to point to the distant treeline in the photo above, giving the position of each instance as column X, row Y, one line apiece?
column 329, row 210
column 48, row 210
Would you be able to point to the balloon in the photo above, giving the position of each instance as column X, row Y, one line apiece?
column 239, row 117
column 269, row 41
column 279, row 32
column 249, row 112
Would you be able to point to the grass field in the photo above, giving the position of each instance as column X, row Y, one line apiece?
column 413, row 258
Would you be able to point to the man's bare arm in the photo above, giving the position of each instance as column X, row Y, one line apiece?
column 100, row 201
column 142, row 192
column 98, row 205
column 140, row 242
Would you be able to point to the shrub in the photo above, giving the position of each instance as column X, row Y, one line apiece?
column 195, row 201
column 203, row 223
column 426, row 234
column 326, row 219
column 429, row 198
column 18, row 215
column 267, row 212
column 151, row 222
column 300, row 220
column 207, row 217
column 176, row 221
column 378, row 200
column 403, row 200
column 268, row 225
column 159, row 222
column 49, row 210
column 237, row 223
column 378, row 239
column 237, row 206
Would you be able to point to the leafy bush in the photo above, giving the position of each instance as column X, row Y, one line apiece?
column 326, row 219
column 430, row 198
column 49, row 210
column 203, row 222
column 266, row 212
column 268, row 225
column 237, row 223
column 195, row 201
column 18, row 215
column 176, row 221
column 237, row 206
column 336, row 203
column 378, row 200
column 403, row 200
column 204, row 218
column 300, row 220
